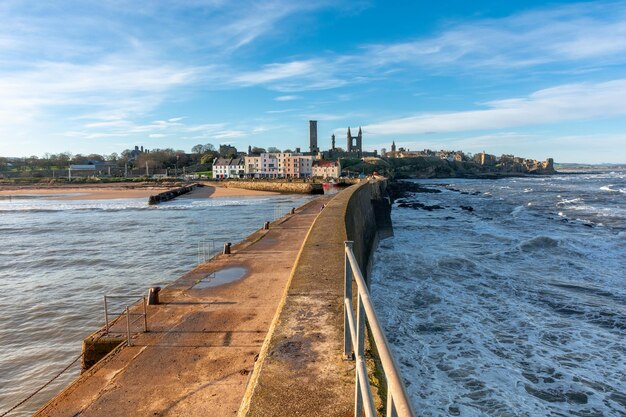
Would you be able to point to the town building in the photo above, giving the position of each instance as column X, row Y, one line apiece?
column 326, row 168
column 279, row 165
column 226, row 168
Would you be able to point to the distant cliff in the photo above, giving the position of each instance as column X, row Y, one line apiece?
column 434, row 167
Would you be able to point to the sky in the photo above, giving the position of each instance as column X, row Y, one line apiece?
column 529, row 78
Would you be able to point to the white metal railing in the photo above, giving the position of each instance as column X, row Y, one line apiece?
column 398, row 403
column 206, row 250
column 126, row 312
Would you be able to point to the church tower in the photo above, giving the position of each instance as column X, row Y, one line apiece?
column 332, row 139
column 355, row 143
column 393, row 146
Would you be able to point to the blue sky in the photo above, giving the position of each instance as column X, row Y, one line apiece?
column 536, row 79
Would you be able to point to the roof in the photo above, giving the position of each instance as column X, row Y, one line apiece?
column 229, row 161
column 325, row 163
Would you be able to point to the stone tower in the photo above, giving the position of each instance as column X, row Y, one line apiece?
column 393, row 146
column 313, row 136
column 355, row 143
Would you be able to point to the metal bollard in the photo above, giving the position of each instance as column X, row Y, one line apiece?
column 266, row 226
column 227, row 248
column 293, row 210
column 153, row 296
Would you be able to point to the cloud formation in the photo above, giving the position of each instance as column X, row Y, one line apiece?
column 552, row 105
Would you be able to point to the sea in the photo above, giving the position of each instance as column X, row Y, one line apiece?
column 508, row 297
column 58, row 258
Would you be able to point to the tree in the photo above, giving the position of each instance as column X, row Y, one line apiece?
column 258, row 151
column 208, row 148
column 273, row 149
column 287, row 151
column 199, row 149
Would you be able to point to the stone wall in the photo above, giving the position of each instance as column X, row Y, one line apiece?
column 278, row 186
column 367, row 213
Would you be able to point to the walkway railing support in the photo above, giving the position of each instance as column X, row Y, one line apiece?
column 398, row 403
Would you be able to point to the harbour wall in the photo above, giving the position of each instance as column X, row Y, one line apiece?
column 301, row 369
column 278, row 186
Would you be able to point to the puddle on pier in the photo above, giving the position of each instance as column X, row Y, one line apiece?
column 222, row 276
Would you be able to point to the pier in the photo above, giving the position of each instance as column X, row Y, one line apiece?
column 269, row 343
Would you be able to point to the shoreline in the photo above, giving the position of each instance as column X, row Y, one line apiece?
column 117, row 191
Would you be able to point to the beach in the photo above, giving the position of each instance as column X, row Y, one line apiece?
column 118, row 191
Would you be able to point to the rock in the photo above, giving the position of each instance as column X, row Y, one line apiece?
column 468, row 208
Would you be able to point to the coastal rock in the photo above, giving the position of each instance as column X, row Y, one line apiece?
column 420, row 206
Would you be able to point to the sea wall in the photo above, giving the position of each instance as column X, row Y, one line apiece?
column 368, row 217
column 278, row 186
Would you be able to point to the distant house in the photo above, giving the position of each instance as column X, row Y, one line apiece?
column 324, row 168
column 225, row 168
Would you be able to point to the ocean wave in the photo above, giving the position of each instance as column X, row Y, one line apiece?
column 612, row 190
column 538, row 243
column 569, row 201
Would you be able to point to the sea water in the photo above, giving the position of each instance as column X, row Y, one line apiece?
column 509, row 298
column 59, row 258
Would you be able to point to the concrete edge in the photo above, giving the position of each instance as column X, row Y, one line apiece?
column 254, row 376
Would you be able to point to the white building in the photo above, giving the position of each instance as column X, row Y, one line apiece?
column 224, row 168
column 326, row 169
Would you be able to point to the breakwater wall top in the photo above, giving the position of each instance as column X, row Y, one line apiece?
column 278, row 186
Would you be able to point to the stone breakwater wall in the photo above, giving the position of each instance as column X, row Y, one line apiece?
column 170, row 194
column 367, row 219
column 278, row 186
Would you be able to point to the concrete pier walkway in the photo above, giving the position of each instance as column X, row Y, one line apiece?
column 203, row 341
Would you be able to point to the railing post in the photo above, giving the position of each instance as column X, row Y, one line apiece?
column 390, row 407
column 347, row 295
column 145, row 314
column 359, row 352
column 128, row 326
column 106, row 315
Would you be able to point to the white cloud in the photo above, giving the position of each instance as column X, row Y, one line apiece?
column 287, row 98
column 588, row 32
column 552, row 105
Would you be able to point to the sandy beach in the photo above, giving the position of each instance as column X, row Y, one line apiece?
column 118, row 191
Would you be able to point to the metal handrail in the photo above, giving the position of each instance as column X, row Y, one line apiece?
column 126, row 313
column 398, row 402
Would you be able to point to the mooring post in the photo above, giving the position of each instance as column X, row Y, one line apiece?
column 293, row 210
column 266, row 226
column 227, row 248
column 153, row 296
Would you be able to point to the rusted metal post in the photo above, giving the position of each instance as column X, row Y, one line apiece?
column 145, row 314
column 106, row 315
column 128, row 327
